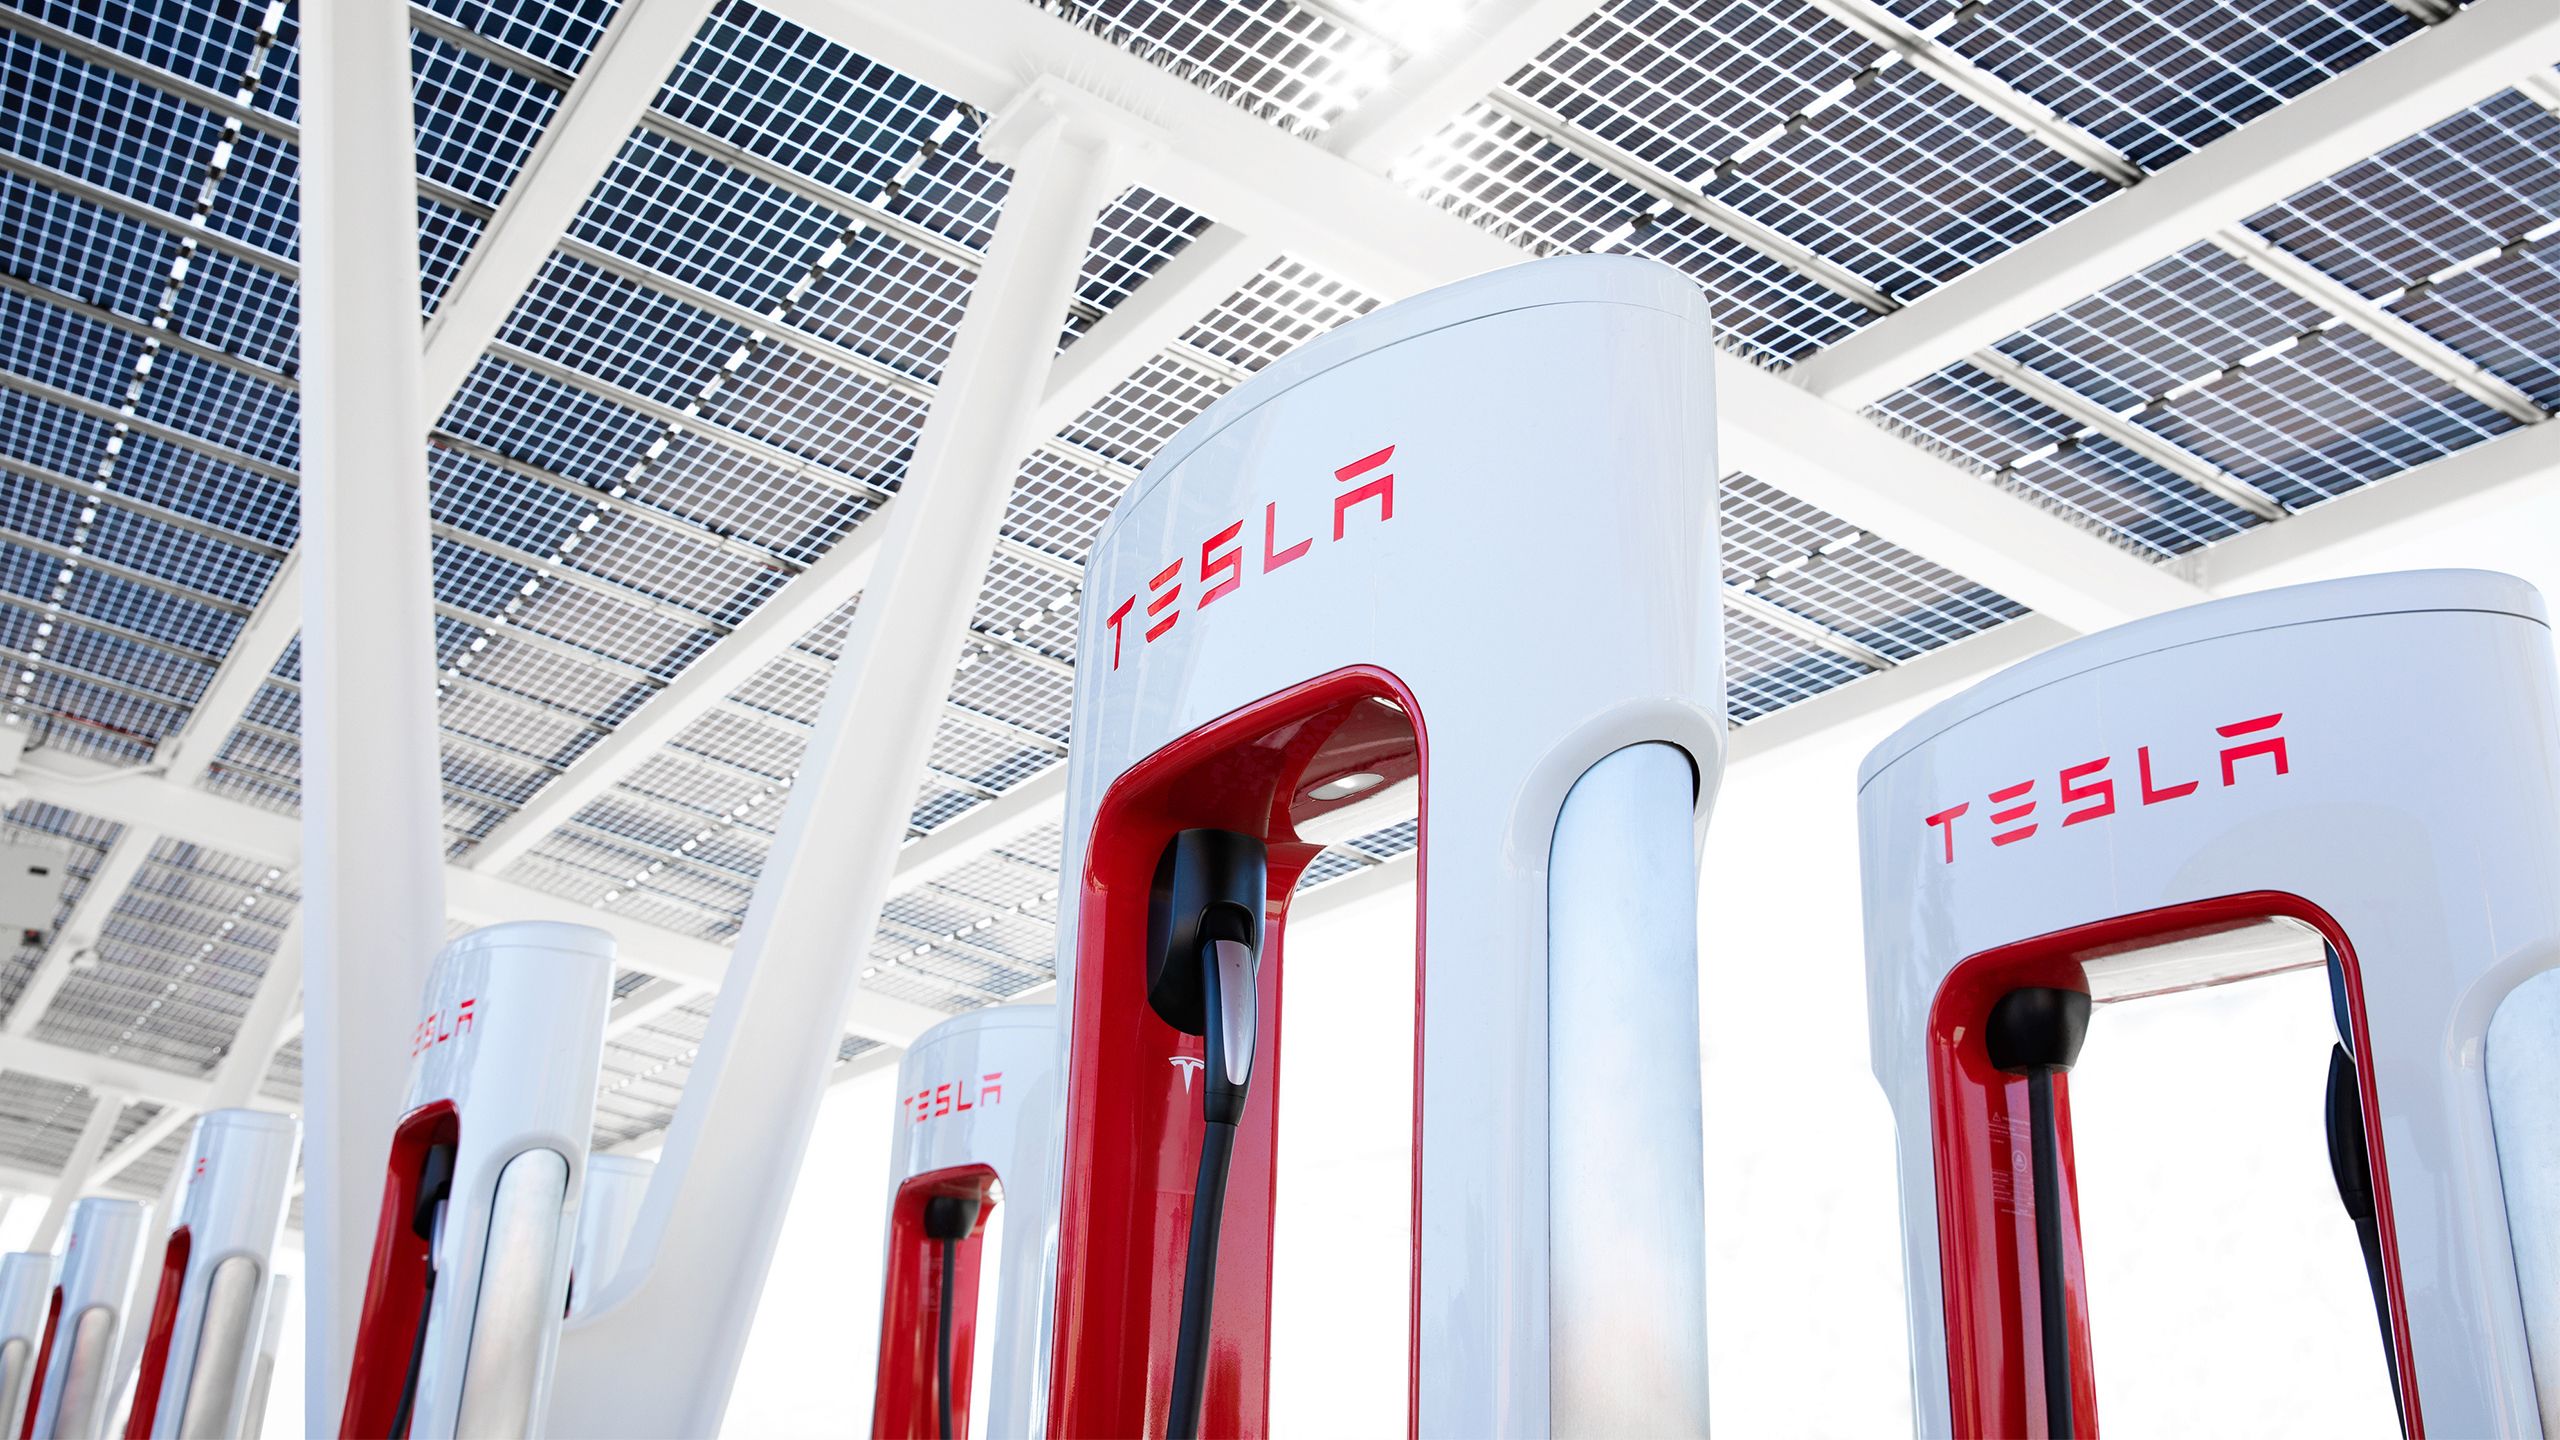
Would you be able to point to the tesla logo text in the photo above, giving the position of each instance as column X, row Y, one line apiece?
column 1187, row 1066
column 2090, row 791
column 954, row 1097
column 1223, row 556
column 439, row 1028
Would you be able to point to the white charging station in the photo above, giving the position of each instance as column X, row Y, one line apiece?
column 1459, row 554
column 608, row 1208
column 200, row 1356
column 977, row 1121
column 2372, row 762
column 469, row 1277
column 262, row 1376
column 26, row 1303
column 91, row 1304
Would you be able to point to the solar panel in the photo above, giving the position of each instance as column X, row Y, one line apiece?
column 1290, row 64
column 2504, row 315
column 2155, row 83
column 1876, row 593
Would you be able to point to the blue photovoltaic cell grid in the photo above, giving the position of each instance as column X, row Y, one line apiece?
column 240, row 501
column 561, row 33
column 538, row 420
column 495, row 504
column 956, row 192
column 195, row 563
column 1767, row 669
column 2178, row 320
column 445, row 238
column 207, row 43
column 704, row 224
column 1908, row 183
column 66, row 351
column 2157, row 81
column 2468, row 184
column 801, row 100
column 476, row 119
column 201, row 398
column 1138, row 233
column 2505, row 315
column 2333, row 413
column 79, row 249
column 153, row 614
column 94, row 125
column 626, row 335
column 48, row 436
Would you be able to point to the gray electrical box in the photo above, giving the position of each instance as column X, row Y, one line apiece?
column 31, row 879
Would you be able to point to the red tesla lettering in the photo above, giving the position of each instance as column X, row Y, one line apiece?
column 1947, row 819
column 989, row 1090
column 2104, row 792
column 2013, row 813
column 1382, row 489
column 2272, row 746
column 942, row 1099
column 2154, row 794
column 1167, row 588
column 1219, row 555
column 964, row 1104
column 1273, row 557
column 1114, row 622
column 462, row 1016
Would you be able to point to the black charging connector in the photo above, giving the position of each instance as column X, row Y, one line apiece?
column 1204, row 946
column 948, row 1220
column 435, row 1189
column 2343, row 1116
column 2036, row 1032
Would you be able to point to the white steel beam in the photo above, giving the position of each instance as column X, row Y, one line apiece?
column 104, row 1107
column 140, row 1143
column 372, row 811
column 80, row 931
column 31, row 1056
column 658, row 1351
column 2299, row 143
column 242, row 829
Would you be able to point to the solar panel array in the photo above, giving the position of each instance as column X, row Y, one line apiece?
column 722, row 370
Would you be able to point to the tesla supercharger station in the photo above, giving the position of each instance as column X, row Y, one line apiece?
column 199, row 1359
column 2373, row 761
column 26, row 1302
column 90, row 1305
column 469, row 1277
column 977, row 1120
column 1458, row 555
column 608, row 1208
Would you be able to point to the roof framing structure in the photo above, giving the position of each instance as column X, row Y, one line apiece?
column 1822, row 428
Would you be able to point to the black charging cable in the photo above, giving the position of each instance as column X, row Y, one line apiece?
column 948, row 1219
column 2036, row 1032
column 435, row 1188
column 2350, row 1167
column 1204, row 937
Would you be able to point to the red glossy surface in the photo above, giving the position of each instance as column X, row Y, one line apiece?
column 904, row 1405
column 395, row 1283
column 44, row 1357
column 1133, row 1129
column 155, row 1349
column 1986, row 1228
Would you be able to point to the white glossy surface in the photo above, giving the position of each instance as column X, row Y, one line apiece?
column 239, row 1186
column 1015, row 1137
column 26, row 1293
column 522, row 1077
column 1626, row 1136
column 1547, row 590
column 2422, row 812
column 608, row 1208
column 101, row 1248
column 2524, row 1105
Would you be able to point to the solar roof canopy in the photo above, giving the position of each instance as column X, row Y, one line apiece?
column 2040, row 315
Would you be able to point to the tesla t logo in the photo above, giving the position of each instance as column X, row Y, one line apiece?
column 438, row 1028
column 2089, row 790
column 1187, row 1066
column 954, row 1097
column 1222, row 567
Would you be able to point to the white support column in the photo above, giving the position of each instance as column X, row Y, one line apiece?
column 372, row 842
column 658, row 1353
column 85, row 1151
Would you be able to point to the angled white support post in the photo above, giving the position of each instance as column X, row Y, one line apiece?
column 372, row 837
column 87, row 921
column 103, row 1110
column 658, row 1353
